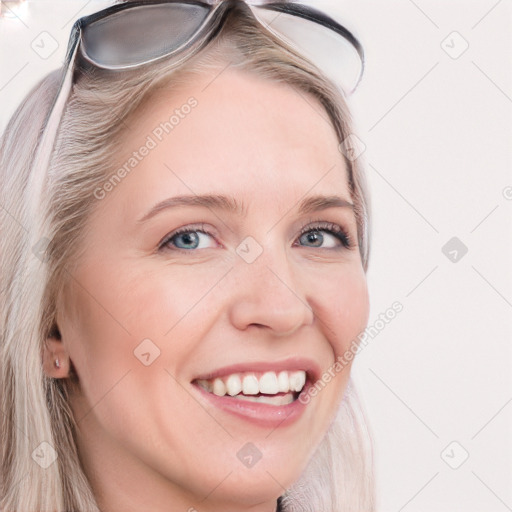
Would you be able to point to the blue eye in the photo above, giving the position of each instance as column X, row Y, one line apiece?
column 322, row 236
column 188, row 238
column 330, row 234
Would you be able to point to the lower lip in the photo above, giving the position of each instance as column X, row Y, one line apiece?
column 263, row 415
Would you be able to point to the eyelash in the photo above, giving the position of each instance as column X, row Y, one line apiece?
column 188, row 229
column 329, row 227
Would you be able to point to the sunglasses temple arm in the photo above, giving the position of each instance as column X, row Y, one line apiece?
column 39, row 171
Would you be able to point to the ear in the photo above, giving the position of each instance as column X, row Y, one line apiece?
column 56, row 362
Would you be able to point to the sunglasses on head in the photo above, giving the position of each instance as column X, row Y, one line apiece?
column 129, row 35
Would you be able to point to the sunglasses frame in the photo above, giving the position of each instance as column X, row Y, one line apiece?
column 218, row 9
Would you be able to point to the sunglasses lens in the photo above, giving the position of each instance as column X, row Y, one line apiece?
column 141, row 34
column 336, row 55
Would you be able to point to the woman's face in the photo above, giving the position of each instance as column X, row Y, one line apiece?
column 225, row 257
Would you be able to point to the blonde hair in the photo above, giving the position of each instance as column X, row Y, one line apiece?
column 35, row 408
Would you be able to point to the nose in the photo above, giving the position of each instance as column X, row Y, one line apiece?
column 267, row 294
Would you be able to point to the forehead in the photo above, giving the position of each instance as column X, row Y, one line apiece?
column 234, row 131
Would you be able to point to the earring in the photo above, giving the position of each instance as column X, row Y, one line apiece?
column 57, row 363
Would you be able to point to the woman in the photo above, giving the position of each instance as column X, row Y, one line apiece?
column 183, row 270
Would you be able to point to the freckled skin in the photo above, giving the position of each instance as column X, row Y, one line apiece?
column 149, row 442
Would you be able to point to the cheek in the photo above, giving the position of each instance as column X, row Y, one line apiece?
column 343, row 306
column 119, row 306
column 141, row 298
column 174, row 307
column 98, row 341
column 340, row 299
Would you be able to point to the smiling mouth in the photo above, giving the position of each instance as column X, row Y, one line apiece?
column 272, row 388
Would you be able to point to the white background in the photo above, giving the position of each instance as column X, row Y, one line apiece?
column 438, row 137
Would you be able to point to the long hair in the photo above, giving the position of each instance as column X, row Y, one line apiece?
column 34, row 408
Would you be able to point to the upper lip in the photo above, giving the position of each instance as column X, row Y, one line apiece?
column 311, row 368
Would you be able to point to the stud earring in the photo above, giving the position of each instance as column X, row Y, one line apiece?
column 57, row 363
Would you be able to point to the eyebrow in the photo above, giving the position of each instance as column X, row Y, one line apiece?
column 230, row 204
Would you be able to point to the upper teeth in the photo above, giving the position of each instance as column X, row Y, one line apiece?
column 269, row 383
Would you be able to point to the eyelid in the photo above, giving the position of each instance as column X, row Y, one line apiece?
column 335, row 227
column 200, row 227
